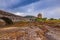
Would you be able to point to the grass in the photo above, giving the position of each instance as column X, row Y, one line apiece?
column 52, row 23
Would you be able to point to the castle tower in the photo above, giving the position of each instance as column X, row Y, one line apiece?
column 39, row 15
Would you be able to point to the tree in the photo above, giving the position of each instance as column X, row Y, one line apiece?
column 51, row 19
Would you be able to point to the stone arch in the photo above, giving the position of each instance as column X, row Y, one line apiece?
column 7, row 20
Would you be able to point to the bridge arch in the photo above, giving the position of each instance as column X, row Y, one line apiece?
column 7, row 20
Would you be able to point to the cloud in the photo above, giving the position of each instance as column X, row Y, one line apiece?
column 53, row 12
column 8, row 3
column 18, row 13
column 43, row 4
column 15, row 3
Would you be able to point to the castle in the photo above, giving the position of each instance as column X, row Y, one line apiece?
column 39, row 15
column 16, row 18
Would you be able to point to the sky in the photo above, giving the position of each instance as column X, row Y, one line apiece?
column 48, row 8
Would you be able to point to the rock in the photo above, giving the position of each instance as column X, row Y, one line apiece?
column 22, row 33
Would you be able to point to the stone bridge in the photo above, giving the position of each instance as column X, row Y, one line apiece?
column 9, row 17
column 7, row 20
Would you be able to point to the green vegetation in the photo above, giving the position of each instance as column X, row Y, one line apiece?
column 40, row 19
column 52, row 19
